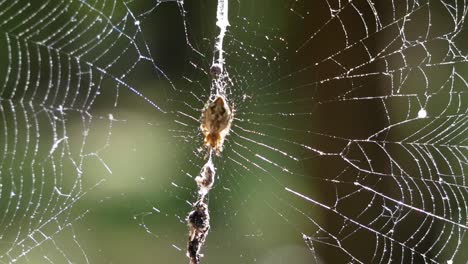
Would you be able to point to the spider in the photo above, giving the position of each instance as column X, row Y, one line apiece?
column 216, row 122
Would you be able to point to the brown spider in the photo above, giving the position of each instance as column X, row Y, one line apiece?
column 216, row 122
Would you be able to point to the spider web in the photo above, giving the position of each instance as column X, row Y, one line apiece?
column 348, row 142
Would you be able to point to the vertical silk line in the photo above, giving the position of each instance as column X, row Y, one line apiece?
column 199, row 219
column 222, row 22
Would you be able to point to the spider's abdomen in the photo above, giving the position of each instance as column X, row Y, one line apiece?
column 215, row 123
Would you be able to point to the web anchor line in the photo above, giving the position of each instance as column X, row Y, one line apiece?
column 215, row 126
column 222, row 22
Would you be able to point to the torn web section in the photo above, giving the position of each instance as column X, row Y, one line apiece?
column 63, row 64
